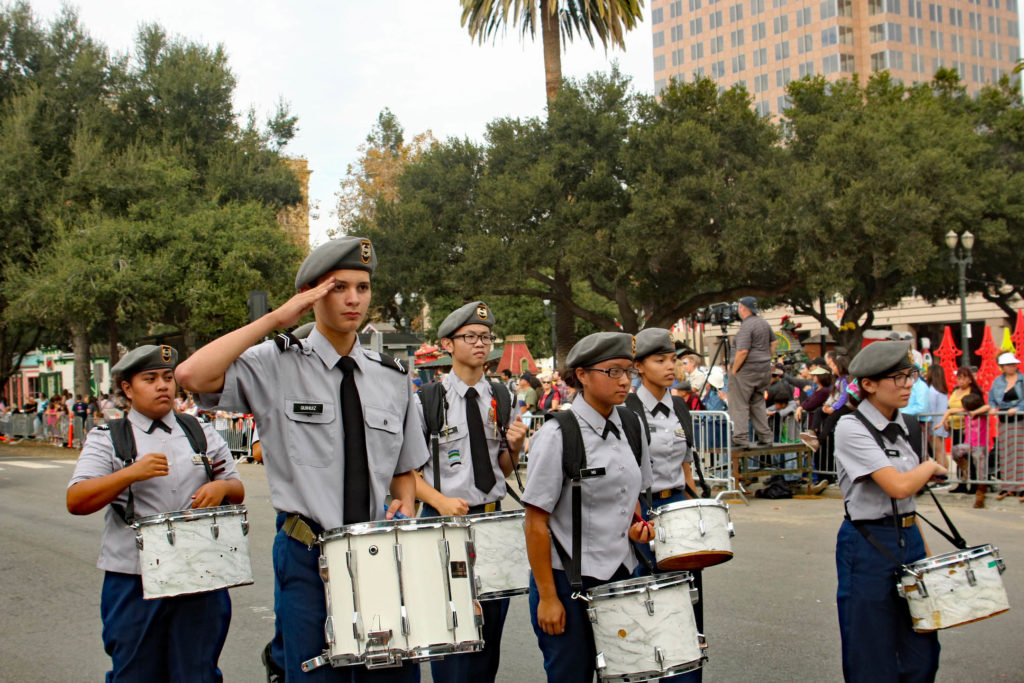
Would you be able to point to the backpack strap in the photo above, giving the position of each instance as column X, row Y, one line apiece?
column 682, row 412
column 634, row 404
column 435, row 407
column 574, row 460
column 125, row 450
column 196, row 439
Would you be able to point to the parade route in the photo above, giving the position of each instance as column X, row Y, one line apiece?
column 770, row 612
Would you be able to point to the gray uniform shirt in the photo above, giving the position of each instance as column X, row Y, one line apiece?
column 608, row 500
column 152, row 496
column 858, row 455
column 295, row 396
column 455, row 457
column 755, row 336
column 669, row 449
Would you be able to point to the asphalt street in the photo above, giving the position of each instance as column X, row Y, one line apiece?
column 770, row 613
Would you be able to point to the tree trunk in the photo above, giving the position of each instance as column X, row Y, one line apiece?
column 113, row 348
column 565, row 333
column 189, row 339
column 552, row 49
column 83, row 362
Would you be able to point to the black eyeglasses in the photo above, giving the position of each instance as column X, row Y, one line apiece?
column 617, row 373
column 904, row 379
column 472, row 338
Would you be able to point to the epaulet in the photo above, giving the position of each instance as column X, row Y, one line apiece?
column 103, row 427
column 286, row 341
column 388, row 362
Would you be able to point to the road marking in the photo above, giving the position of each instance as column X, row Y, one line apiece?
column 65, row 462
column 32, row 465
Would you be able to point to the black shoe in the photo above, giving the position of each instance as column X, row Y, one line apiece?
column 275, row 674
column 960, row 488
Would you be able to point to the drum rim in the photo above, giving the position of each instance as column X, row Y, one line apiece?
column 497, row 514
column 639, row 584
column 954, row 557
column 189, row 514
column 384, row 526
column 686, row 504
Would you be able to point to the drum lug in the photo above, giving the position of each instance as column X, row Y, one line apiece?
column 592, row 613
column 314, row 663
column 1000, row 565
column 702, row 641
column 478, row 614
column 659, row 533
column 325, row 574
column 215, row 528
column 379, row 638
column 694, row 596
column 649, row 604
column 170, row 534
column 245, row 523
column 329, row 630
column 452, row 617
column 921, row 588
column 703, row 528
column 357, row 626
column 659, row 657
column 971, row 580
column 732, row 530
column 601, row 665
column 406, row 629
column 138, row 541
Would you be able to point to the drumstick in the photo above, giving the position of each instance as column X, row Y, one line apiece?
column 638, row 518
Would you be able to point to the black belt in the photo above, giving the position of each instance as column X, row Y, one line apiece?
column 486, row 507
column 906, row 520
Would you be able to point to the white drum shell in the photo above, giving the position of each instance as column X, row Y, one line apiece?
column 628, row 636
column 948, row 597
column 181, row 554
column 426, row 631
column 502, row 568
column 679, row 531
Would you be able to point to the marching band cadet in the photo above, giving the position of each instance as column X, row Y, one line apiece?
column 671, row 452
column 166, row 639
column 601, row 367
column 339, row 430
column 473, row 460
column 879, row 643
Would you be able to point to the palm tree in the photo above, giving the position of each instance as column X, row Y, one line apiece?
column 607, row 19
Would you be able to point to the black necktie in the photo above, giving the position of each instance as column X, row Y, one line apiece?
column 609, row 427
column 660, row 408
column 483, row 473
column 160, row 424
column 892, row 432
column 357, row 471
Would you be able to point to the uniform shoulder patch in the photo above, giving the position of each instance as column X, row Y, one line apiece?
column 287, row 341
column 389, row 362
column 103, row 427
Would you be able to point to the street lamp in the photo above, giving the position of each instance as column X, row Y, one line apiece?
column 961, row 258
column 554, row 337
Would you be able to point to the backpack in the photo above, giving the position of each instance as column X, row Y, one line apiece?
column 682, row 413
column 435, row 407
column 126, row 451
column 574, row 468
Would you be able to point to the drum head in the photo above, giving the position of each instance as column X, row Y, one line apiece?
column 697, row 560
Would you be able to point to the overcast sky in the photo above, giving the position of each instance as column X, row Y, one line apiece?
column 339, row 62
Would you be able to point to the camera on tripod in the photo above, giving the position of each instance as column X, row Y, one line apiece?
column 718, row 314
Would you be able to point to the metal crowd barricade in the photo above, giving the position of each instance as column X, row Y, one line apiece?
column 712, row 443
column 18, row 426
column 237, row 432
column 533, row 423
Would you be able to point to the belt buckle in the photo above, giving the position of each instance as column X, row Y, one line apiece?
column 907, row 521
column 490, row 507
column 667, row 493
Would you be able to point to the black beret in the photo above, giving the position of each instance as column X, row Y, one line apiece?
column 148, row 357
column 651, row 340
column 881, row 358
column 344, row 253
column 600, row 346
column 474, row 313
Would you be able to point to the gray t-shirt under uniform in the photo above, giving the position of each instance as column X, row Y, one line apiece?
column 858, row 456
column 669, row 449
column 609, row 500
column 754, row 336
column 295, row 397
column 455, row 456
column 153, row 496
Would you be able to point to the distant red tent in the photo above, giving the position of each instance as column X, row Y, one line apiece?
column 516, row 357
column 426, row 353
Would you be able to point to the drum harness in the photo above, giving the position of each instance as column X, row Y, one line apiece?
column 574, row 468
column 434, row 399
column 953, row 537
column 126, row 451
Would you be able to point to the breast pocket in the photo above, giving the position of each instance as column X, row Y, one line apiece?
column 384, row 428
column 311, row 430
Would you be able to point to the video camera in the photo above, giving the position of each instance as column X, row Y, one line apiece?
column 718, row 314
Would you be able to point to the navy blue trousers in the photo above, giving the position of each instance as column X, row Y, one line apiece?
column 474, row 667
column 879, row 643
column 300, row 608
column 168, row 639
column 569, row 657
column 698, row 582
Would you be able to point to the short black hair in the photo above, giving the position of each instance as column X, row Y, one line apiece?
column 507, row 373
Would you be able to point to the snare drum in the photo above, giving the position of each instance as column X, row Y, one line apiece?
column 954, row 588
column 692, row 534
column 398, row 591
column 501, row 568
column 193, row 551
column 644, row 628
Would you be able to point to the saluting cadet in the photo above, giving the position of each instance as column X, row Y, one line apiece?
column 339, row 430
column 671, row 431
column 601, row 367
column 166, row 639
column 880, row 532
column 475, row 454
